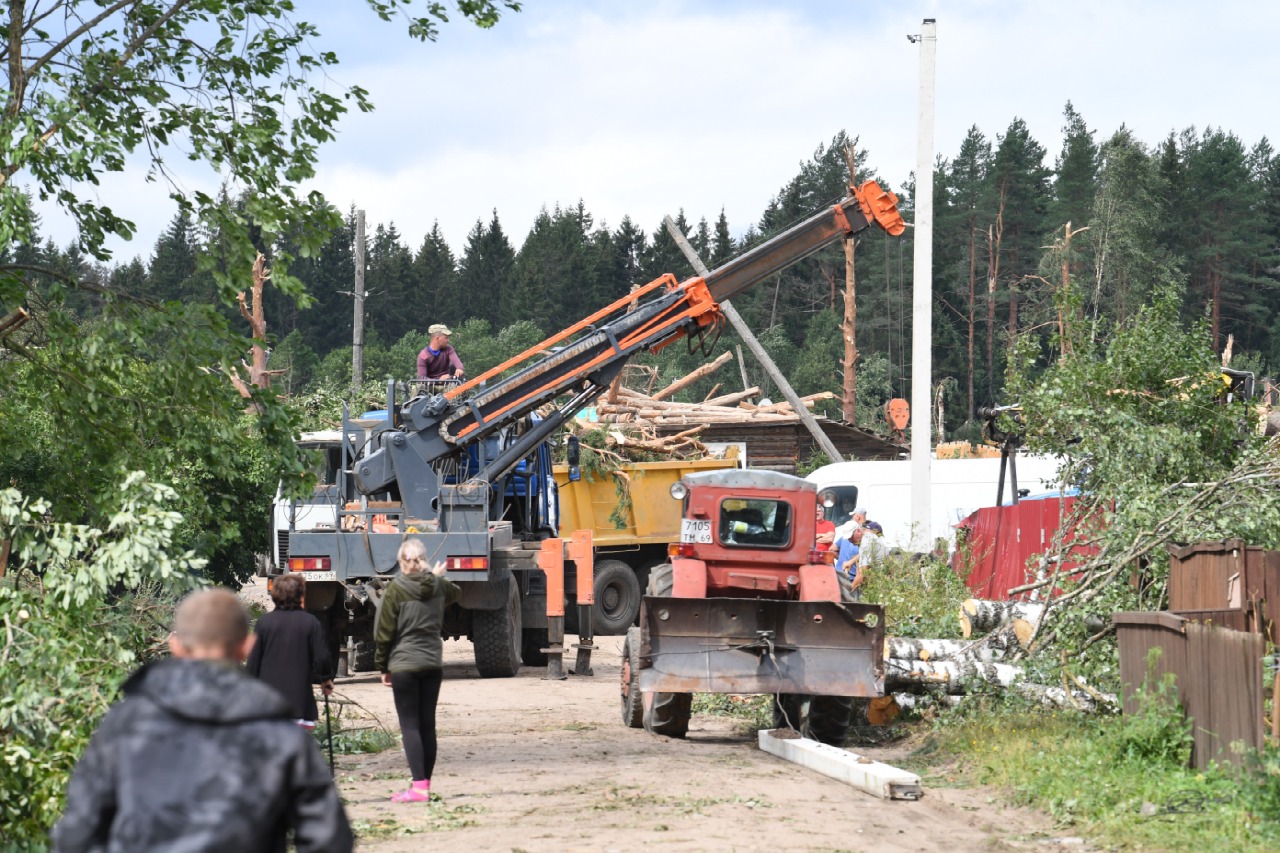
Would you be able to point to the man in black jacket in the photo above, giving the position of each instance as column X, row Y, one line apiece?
column 199, row 756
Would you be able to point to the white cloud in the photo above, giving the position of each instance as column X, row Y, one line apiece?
column 646, row 109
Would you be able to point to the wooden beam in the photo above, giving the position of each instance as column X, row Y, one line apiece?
column 693, row 376
column 879, row 780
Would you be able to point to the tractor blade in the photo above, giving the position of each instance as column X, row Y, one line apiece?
column 743, row 645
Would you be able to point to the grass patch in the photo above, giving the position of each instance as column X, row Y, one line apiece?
column 620, row 799
column 355, row 740
column 435, row 817
column 1118, row 780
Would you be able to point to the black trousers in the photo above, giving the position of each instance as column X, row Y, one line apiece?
column 415, row 695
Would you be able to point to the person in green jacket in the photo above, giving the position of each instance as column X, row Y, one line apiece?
column 410, row 655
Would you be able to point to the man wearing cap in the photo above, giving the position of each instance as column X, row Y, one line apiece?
column 438, row 360
column 857, row 519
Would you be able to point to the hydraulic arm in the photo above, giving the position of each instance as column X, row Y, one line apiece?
column 582, row 360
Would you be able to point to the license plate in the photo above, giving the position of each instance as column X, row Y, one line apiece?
column 695, row 530
column 319, row 576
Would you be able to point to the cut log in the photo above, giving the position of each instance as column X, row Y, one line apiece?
column 1058, row 697
column 977, row 616
column 882, row 711
column 693, row 376
column 950, row 676
column 735, row 398
column 908, row 648
column 903, row 701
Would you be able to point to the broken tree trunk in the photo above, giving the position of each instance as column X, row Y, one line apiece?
column 978, row 616
column 694, row 376
column 1059, row 697
column 950, row 676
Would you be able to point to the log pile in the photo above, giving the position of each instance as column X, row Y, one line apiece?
column 623, row 405
column 925, row 673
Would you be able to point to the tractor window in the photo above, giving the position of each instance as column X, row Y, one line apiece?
column 845, row 499
column 755, row 523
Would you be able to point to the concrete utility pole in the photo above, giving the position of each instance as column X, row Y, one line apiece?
column 735, row 319
column 922, row 301
column 357, row 326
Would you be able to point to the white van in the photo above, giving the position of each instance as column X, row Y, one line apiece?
column 959, row 487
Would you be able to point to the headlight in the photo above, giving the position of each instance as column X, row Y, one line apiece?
column 827, row 499
column 679, row 490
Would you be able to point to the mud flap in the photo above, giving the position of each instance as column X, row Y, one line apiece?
column 737, row 645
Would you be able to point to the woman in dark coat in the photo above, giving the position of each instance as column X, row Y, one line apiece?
column 290, row 652
column 410, row 654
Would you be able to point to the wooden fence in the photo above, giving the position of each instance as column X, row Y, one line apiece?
column 1219, row 678
column 1227, row 583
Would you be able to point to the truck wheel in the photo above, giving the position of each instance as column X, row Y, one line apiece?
column 617, row 593
column 365, row 651
column 788, row 711
column 632, row 707
column 665, row 713
column 532, row 645
column 497, row 637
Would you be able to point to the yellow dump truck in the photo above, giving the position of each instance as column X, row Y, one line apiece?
column 630, row 531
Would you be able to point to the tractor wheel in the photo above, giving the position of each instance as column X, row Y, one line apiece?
column 666, row 713
column 617, row 594
column 825, row 719
column 497, row 637
column 829, row 719
column 632, row 707
column 532, row 645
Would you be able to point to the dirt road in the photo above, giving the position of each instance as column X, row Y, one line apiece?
column 528, row 764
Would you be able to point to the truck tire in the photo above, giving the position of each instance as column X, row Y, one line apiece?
column 632, row 706
column 666, row 713
column 363, row 656
column 498, row 637
column 825, row 719
column 534, row 640
column 617, row 594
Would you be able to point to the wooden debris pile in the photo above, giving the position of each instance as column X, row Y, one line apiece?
column 922, row 673
column 624, row 405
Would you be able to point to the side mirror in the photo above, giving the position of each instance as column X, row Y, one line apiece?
column 573, row 455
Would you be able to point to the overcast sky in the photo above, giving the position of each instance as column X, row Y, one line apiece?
column 646, row 108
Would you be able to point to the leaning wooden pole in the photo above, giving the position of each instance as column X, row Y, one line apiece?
column 806, row 417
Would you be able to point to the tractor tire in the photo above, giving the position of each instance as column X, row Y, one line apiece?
column 632, row 706
column 534, row 640
column 497, row 637
column 617, row 594
column 825, row 719
column 666, row 713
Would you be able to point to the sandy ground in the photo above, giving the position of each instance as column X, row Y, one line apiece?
column 529, row 764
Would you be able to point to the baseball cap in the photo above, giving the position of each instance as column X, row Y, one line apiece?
column 439, row 329
column 859, row 511
column 875, row 527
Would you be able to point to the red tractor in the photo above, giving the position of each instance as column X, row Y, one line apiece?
column 749, row 605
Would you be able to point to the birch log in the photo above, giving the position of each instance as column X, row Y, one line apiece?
column 909, row 648
column 953, row 677
column 1058, row 697
column 978, row 616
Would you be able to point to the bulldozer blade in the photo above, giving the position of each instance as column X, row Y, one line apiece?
column 737, row 645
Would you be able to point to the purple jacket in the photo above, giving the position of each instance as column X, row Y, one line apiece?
column 434, row 365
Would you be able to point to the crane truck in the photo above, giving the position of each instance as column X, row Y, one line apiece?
column 466, row 468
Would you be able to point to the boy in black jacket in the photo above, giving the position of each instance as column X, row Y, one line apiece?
column 199, row 756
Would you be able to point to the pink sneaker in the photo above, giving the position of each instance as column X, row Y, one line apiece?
column 418, row 792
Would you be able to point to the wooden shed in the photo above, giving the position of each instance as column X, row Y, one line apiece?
column 784, row 446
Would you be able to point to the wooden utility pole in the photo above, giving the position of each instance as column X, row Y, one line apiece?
column 849, row 399
column 357, row 328
column 735, row 319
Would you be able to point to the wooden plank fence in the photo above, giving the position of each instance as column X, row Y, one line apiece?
column 1218, row 672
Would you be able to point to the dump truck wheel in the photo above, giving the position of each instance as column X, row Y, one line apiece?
column 532, row 645
column 665, row 713
column 363, row 657
column 632, row 707
column 617, row 593
column 788, row 709
column 498, row 636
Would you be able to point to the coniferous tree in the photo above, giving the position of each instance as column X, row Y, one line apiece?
column 722, row 245
column 174, row 261
column 484, row 273
column 392, row 303
column 435, row 277
column 1021, row 185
